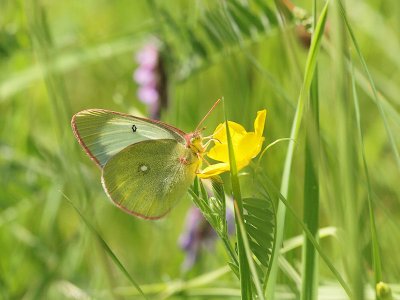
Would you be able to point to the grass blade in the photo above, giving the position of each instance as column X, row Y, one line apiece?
column 245, row 282
column 372, row 84
column 309, row 289
column 106, row 247
column 374, row 237
column 309, row 235
column 308, row 75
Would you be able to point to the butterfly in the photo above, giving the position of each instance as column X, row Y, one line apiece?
column 147, row 165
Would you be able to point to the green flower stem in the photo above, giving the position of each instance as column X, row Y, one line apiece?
column 309, row 288
column 244, row 272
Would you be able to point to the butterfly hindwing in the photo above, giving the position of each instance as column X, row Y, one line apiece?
column 148, row 178
column 104, row 133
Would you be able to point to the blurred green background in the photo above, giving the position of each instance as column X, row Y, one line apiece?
column 60, row 57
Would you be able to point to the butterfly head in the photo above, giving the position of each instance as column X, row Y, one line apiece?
column 194, row 142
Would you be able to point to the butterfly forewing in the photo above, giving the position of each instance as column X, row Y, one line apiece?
column 104, row 133
column 148, row 178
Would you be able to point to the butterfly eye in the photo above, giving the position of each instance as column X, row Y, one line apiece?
column 195, row 139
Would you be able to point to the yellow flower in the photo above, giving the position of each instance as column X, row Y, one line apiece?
column 246, row 145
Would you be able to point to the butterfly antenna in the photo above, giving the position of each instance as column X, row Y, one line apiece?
column 205, row 117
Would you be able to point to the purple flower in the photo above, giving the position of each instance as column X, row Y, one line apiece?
column 145, row 76
column 148, row 95
column 199, row 234
column 148, row 56
column 151, row 78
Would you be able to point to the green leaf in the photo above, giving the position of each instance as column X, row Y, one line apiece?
column 223, row 26
column 214, row 211
column 212, row 35
column 197, row 45
column 269, row 13
column 241, row 23
column 260, row 221
column 248, row 16
column 248, row 253
column 235, row 268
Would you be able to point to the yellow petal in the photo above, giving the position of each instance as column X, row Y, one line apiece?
column 259, row 122
column 213, row 170
column 236, row 130
column 240, row 164
column 219, row 152
column 249, row 146
column 246, row 145
column 219, row 132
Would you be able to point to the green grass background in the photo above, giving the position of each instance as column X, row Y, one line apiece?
column 57, row 58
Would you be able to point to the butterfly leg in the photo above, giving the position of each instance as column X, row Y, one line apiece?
column 201, row 157
column 183, row 161
column 209, row 142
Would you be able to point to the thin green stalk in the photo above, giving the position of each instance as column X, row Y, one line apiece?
column 244, row 272
column 290, row 271
column 346, row 165
column 56, row 89
column 308, row 75
column 180, row 286
column 67, row 61
column 309, row 289
column 275, row 84
column 266, row 149
column 175, row 286
column 317, row 247
column 372, row 84
column 298, row 241
column 213, row 293
column 42, row 41
column 374, row 236
column 230, row 250
column 225, row 239
column 288, row 41
column 107, row 248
